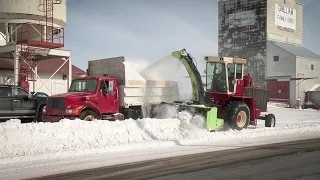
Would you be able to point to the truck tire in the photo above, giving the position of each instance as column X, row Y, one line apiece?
column 237, row 115
column 270, row 121
column 88, row 115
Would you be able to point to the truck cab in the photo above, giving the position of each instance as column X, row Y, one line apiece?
column 88, row 98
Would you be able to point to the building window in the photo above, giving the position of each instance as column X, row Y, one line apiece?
column 275, row 58
column 312, row 68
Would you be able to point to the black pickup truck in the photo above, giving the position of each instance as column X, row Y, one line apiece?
column 18, row 103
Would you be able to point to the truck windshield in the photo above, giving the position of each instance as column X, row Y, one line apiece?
column 216, row 77
column 83, row 85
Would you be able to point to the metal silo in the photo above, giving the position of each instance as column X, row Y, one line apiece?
column 32, row 30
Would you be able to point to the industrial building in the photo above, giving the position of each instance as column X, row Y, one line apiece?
column 269, row 34
column 57, row 68
column 32, row 46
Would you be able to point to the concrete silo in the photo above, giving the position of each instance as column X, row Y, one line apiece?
column 32, row 30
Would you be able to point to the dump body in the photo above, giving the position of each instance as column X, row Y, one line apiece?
column 134, row 90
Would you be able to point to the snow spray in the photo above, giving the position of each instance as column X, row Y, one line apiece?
column 165, row 68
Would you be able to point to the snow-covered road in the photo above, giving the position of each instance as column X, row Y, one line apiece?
column 30, row 150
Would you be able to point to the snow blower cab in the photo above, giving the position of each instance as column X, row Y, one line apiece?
column 229, row 97
column 224, row 76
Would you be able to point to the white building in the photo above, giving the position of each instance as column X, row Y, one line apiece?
column 268, row 33
column 58, row 82
column 291, row 70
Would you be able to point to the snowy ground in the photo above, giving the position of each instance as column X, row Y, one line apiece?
column 30, row 150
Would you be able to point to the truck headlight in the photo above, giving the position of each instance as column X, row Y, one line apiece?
column 72, row 111
column 69, row 111
column 44, row 109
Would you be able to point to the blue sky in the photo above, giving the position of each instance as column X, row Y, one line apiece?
column 147, row 30
column 141, row 30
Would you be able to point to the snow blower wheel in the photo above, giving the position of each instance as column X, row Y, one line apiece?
column 270, row 121
column 237, row 115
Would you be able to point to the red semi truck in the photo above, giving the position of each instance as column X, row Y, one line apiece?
column 112, row 90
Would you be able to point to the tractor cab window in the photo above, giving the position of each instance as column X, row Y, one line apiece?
column 231, row 76
column 216, row 77
column 239, row 71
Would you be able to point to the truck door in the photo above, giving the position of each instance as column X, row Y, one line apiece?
column 21, row 104
column 108, row 97
column 5, row 105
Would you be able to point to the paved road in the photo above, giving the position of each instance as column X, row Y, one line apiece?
column 290, row 160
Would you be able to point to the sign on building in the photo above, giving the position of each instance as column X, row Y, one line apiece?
column 244, row 18
column 285, row 17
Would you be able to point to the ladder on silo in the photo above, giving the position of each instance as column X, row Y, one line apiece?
column 47, row 8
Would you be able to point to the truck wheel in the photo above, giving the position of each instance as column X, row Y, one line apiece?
column 270, row 121
column 88, row 115
column 237, row 115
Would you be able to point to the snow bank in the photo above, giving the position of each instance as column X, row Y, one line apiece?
column 83, row 137
column 45, row 138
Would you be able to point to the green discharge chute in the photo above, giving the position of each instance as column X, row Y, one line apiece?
column 211, row 113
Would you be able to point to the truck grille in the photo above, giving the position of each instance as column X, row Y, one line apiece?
column 56, row 103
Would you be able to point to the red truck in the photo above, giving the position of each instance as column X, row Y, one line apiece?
column 111, row 91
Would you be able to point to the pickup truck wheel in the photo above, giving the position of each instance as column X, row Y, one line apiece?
column 88, row 115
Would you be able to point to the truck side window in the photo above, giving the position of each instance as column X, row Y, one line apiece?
column 4, row 92
column 110, row 85
column 104, row 84
column 18, row 92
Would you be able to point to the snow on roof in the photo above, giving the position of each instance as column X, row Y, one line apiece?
column 316, row 87
column 298, row 51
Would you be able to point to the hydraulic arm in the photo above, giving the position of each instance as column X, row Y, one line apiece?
column 198, row 94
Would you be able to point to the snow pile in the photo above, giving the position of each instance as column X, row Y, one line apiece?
column 45, row 138
column 83, row 137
